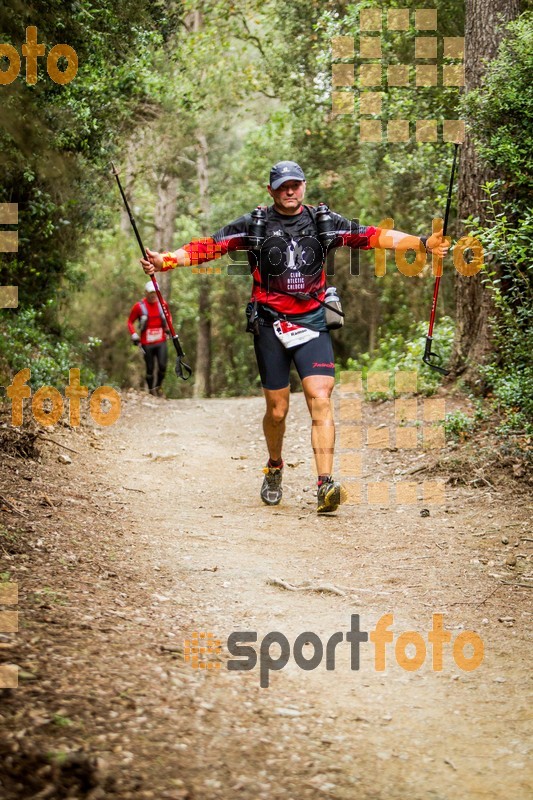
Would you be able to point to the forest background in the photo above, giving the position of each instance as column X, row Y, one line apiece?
column 195, row 102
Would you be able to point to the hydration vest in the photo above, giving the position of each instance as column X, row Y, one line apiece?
column 144, row 316
column 320, row 216
column 326, row 235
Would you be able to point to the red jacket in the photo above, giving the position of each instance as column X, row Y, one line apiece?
column 155, row 330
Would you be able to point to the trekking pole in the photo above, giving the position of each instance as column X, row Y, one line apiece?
column 182, row 369
column 428, row 355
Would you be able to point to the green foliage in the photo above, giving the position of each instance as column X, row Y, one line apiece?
column 508, row 276
column 399, row 352
column 55, row 140
column 151, row 83
column 54, row 144
column 24, row 343
column 458, row 425
column 501, row 112
column 61, row 721
column 112, row 286
column 501, row 116
column 362, row 179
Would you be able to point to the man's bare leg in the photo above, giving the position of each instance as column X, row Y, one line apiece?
column 318, row 389
column 277, row 407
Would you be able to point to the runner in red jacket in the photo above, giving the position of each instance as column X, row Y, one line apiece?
column 153, row 339
column 288, row 284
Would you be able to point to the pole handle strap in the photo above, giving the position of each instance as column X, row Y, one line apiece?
column 428, row 355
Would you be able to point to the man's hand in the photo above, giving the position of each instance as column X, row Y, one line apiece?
column 153, row 262
column 438, row 243
column 135, row 339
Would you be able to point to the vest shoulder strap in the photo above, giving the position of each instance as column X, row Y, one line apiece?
column 144, row 312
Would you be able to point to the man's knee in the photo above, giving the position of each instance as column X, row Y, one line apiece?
column 322, row 396
column 318, row 391
column 321, row 403
column 277, row 413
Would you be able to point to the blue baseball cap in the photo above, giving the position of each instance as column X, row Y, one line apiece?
column 285, row 171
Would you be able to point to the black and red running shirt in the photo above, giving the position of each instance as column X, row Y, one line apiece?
column 291, row 258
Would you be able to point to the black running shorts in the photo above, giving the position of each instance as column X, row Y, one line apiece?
column 314, row 357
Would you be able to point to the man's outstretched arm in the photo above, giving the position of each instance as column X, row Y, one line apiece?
column 397, row 240
column 233, row 236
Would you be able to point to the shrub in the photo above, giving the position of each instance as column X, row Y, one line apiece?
column 395, row 353
column 508, row 276
column 24, row 343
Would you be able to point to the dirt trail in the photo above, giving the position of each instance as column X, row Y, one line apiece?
column 192, row 548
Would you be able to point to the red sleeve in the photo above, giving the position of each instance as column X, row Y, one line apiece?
column 135, row 313
column 202, row 250
column 351, row 233
column 362, row 238
column 373, row 238
column 233, row 236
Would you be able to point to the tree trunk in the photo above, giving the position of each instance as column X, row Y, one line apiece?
column 484, row 29
column 202, row 384
column 165, row 217
column 202, row 381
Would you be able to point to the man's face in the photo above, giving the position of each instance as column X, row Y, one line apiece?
column 151, row 297
column 289, row 196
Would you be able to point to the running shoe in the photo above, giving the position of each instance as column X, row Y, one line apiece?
column 330, row 495
column 271, row 490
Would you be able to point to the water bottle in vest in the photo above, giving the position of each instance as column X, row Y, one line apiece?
column 257, row 228
column 325, row 229
column 334, row 314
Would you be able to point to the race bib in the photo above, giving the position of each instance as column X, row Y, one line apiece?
column 154, row 335
column 291, row 335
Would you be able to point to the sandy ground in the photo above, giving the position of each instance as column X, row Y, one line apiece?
column 156, row 532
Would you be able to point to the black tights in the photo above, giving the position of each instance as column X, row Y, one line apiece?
column 152, row 353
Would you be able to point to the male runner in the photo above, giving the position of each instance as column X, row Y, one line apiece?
column 291, row 260
column 153, row 336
